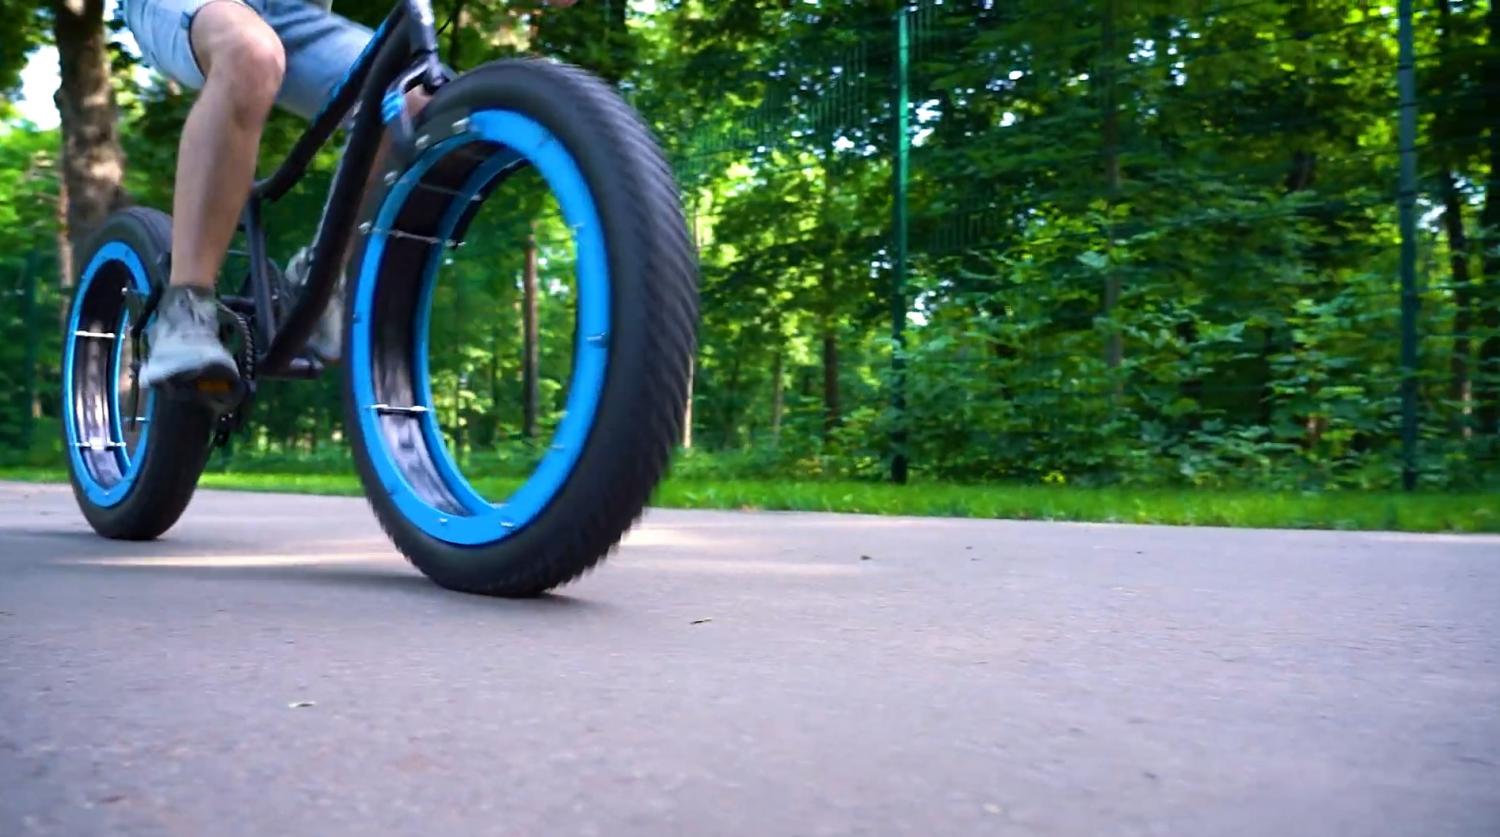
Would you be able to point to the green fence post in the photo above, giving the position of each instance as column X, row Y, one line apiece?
column 900, row 173
column 1406, row 205
column 28, row 375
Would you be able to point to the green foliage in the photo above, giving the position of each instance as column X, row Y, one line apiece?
column 1250, row 230
column 29, row 337
column 1152, row 243
column 24, row 25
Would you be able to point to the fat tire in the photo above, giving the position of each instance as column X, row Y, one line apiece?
column 180, row 430
column 654, row 311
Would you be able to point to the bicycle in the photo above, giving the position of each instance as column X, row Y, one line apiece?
column 135, row 457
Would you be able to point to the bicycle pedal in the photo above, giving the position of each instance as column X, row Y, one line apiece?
column 219, row 394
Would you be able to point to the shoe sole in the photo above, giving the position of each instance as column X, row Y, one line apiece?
column 216, row 387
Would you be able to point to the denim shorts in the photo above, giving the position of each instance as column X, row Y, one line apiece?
column 320, row 47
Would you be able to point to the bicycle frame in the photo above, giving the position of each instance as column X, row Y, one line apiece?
column 375, row 89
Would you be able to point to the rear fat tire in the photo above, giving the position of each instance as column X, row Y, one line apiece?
column 653, row 316
column 179, row 432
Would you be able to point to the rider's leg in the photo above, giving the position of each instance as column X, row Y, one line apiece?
column 242, row 64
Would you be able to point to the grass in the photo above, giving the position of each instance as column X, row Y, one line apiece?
column 1417, row 512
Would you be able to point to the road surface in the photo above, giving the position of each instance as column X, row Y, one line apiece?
column 274, row 667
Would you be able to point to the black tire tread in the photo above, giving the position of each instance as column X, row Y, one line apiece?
column 605, row 501
column 180, row 431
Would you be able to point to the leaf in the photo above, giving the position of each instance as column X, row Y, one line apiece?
column 1093, row 259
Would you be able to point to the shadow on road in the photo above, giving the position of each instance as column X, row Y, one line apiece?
column 38, row 550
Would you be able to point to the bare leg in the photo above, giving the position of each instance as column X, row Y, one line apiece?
column 243, row 65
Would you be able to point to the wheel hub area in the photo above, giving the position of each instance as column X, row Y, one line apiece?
column 422, row 219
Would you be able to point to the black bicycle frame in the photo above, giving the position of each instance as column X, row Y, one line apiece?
column 374, row 88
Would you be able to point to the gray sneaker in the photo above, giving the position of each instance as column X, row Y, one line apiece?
column 327, row 339
column 184, row 340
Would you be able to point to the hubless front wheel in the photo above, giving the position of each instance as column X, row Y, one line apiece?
column 634, row 291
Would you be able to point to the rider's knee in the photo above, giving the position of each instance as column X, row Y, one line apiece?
column 253, row 66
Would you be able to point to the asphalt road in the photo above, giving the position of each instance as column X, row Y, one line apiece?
column 274, row 667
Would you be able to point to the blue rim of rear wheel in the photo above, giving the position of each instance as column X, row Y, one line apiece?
column 104, row 458
column 388, row 356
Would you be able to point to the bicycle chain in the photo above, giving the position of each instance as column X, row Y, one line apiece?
column 245, row 357
column 244, row 360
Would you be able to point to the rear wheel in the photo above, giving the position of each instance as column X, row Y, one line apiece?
column 133, row 458
column 630, row 284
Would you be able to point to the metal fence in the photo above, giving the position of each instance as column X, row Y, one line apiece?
column 1208, row 243
column 1189, row 242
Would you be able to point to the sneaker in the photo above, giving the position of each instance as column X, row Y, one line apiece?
column 327, row 339
column 184, row 340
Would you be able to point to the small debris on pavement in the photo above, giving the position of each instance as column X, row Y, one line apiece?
column 864, row 557
column 701, row 621
column 301, row 704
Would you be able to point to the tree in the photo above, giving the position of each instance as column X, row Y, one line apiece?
column 23, row 28
column 1488, row 395
column 28, row 331
column 1149, row 241
column 1455, row 88
column 93, row 162
column 529, row 336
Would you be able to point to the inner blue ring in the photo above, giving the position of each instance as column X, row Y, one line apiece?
column 481, row 522
column 100, row 492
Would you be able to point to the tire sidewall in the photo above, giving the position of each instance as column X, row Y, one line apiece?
column 179, row 431
column 531, row 89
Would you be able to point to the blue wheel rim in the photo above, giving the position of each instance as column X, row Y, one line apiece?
column 104, row 467
column 471, row 520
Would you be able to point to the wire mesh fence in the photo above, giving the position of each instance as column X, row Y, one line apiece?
column 1120, row 241
column 1067, row 241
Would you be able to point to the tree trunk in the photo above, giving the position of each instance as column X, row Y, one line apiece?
column 64, row 247
column 1488, row 389
column 458, row 369
column 778, row 393
column 687, row 413
column 828, row 280
column 493, row 423
column 1302, row 172
column 529, row 353
column 1300, row 176
column 1114, row 347
column 731, row 406
column 831, row 415
column 93, row 164
column 1459, row 391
